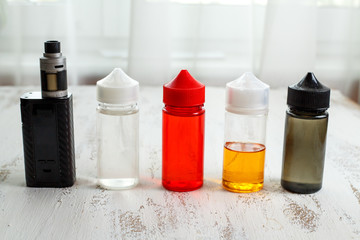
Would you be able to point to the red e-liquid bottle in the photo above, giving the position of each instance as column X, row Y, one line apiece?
column 183, row 133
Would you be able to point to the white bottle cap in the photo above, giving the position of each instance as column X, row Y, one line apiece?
column 247, row 95
column 117, row 88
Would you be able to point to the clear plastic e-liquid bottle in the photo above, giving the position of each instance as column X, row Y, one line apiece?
column 183, row 133
column 117, row 131
column 305, row 136
column 245, row 130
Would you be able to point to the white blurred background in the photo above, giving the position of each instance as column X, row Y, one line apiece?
column 216, row 40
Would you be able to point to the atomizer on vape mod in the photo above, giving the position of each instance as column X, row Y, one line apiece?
column 47, row 125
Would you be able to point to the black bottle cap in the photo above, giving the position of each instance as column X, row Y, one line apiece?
column 309, row 94
column 52, row 47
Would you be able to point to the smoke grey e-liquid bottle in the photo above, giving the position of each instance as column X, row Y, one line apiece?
column 305, row 136
column 47, row 125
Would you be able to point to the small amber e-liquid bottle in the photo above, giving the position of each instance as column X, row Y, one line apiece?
column 305, row 136
column 245, row 130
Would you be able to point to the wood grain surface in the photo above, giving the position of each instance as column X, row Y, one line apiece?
column 148, row 211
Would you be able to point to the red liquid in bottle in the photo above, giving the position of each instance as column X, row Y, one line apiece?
column 183, row 134
column 183, row 148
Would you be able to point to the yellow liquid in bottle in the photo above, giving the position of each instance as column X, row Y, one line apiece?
column 243, row 169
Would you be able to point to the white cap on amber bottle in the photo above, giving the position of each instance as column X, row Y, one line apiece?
column 117, row 88
column 247, row 95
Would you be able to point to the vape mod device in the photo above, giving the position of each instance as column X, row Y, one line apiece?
column 47, row 125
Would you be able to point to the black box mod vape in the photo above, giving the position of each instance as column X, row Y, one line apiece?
column 47, row 125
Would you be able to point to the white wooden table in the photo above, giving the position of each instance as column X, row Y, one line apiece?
column 149, row 212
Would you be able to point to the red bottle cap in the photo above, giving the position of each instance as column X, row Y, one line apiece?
column 184, row 91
